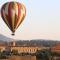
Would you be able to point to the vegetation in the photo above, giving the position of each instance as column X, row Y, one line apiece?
column 43, row 55
column 37, row 42
column 3, row 56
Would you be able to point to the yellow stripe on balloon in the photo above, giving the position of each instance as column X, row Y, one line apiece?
column 13, row 12
column 21, row 16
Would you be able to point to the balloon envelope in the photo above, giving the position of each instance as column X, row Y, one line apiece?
column 13, row 13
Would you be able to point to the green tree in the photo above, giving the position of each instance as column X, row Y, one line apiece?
column 43, row 54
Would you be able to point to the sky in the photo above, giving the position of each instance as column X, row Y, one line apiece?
column 42, row 20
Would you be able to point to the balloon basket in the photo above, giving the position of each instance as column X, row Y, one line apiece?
column 12, row 34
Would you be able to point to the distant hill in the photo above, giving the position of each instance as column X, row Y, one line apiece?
column 40, row 42
column 35, row 42
column 4, row 38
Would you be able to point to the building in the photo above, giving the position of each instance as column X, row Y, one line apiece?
column 56, row 48
column 25, row 49
column 56, row 52
column 21, row 49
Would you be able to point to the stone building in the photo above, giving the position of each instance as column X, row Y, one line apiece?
column 24, row 49
column 21, row 49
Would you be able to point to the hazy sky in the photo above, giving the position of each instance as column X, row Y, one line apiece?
column 42, row 20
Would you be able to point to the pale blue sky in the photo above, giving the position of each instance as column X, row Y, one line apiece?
column 42, row 20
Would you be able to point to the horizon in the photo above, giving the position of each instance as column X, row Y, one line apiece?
column 10, row 39
column 42, row 21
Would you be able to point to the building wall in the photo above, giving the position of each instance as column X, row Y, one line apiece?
column 21, row 49
column 25, row 49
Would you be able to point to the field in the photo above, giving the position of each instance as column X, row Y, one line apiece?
column 21, row 58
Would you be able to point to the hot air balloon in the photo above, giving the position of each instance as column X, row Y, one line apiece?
column 13, row 14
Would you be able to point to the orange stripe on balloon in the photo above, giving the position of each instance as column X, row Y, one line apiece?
column 19, row 13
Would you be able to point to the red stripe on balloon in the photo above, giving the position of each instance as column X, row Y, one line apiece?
column 2, row 12
column 25, row 12
column 9, row 15
column 3, row 7
column 19, row 10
